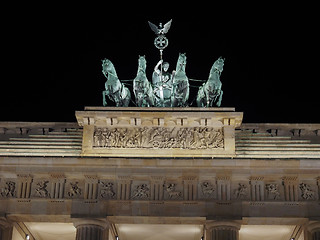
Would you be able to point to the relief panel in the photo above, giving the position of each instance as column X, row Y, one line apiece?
column 150, row 132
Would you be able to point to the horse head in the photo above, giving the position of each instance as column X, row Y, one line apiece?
column 181, row 63
column 107, row 67
column 142, row 63
column 218, row 64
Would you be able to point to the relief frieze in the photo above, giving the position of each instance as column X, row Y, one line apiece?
column 159, row 138
column 222, row 188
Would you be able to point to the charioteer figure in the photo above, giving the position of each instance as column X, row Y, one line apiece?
column 162, row 84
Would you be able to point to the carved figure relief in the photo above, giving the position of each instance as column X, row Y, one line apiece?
column 273, row 191
column 207, row 189
column 9, row 189
column 74, row 190
column 306, row 192
column 141, row 192
column 107, row 190
column 159, row 137
column 41, row 190
column 241, row 191
column 171, row 190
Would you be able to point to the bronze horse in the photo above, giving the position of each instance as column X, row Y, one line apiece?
column 210, row 93
column 115, row 90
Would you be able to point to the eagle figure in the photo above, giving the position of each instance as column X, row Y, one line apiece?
column 161, row 30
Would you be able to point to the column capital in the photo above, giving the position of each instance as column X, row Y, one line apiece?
column 103, row 223
column 236, row 225
column 4, row 223
column 313, row 226
column 6, row 228
column 91, row 229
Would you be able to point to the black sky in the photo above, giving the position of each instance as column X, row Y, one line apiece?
column 53, row 58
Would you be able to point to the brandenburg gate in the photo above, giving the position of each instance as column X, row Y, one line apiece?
column 163, row 169
column 184, row 173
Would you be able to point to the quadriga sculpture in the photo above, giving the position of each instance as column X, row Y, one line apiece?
column 167, row 89
column 142, row 88
column 115, row 90
column 210, row 93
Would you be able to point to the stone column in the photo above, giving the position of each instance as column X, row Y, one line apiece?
column 91, row 229
column 5, row 229
column 222, row 231
column 314, row 231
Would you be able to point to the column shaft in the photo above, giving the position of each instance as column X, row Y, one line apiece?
column 89, row 232
column 224, row 234
column 316, row 235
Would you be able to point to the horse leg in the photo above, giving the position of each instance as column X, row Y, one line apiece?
column 198, row 98
column 173, row 102
column 220, row 98
column 127, row 98
column 151, row 99
column 104, row 93
column 185, row 96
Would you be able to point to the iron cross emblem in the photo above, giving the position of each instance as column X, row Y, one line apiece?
column 161, row 42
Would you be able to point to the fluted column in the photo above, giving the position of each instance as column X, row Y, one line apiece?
column 91, row 229
column 222, row 231
column 314, row 230
column 5, row 230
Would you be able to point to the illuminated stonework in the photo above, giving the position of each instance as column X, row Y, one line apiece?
column 163, row 132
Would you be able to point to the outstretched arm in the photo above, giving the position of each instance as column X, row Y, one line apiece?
column 173, row 74
column 156, row 68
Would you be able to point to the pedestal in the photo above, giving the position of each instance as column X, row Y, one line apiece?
column 158, row 132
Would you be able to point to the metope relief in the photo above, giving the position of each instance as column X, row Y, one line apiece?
column 172, row 191
column 107, row 190
column 272, row 191
column 241, row 191
column 74, row 190
column 41, row 189
column 159, row 137
column 9, row 190
column 306, row 191
column 207, row 189
column 141, row 192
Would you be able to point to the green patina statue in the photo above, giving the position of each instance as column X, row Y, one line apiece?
column 167, row 89
column 142, row 88
column 180, row 84
column 162, row 84
column 210, row 93
column 115, row 90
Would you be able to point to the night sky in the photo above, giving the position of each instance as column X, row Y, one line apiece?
column 53, row 58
